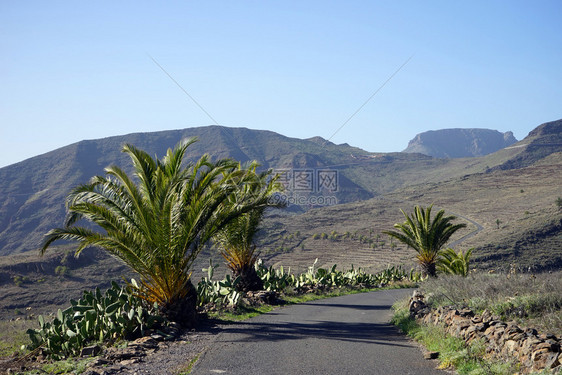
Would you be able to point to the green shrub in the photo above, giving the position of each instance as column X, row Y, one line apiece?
column 96, row 317
column 20, row 280
column 277, row 280
column 280, row 280
column 218, row 293
column 453, row 263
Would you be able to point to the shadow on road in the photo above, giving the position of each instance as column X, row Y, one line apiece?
column 352, row 307
column 375, row 333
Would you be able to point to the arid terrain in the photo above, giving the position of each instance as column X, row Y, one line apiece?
column 507, row 199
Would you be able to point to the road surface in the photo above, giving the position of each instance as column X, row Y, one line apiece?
column 343, row 335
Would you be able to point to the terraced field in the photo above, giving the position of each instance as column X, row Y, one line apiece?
column 521, row 223
column 343, row 253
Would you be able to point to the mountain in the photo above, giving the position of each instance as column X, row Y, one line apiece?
column 508, row 199
column 459, row 143
column 33, row 191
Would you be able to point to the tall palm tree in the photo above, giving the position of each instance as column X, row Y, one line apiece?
column 236, row 240
column 425, row 235
column 158, row 223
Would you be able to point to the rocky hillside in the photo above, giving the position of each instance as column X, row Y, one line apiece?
column 459, row 143
column 541, row 142
column 32, row 192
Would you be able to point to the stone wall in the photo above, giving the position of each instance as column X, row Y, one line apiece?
column 503, row 340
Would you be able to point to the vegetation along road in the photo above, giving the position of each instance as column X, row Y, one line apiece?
column 344, row 335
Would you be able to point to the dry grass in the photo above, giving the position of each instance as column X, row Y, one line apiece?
column 13, row 336
column 531, row 300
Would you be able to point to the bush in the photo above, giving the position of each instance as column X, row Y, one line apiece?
column 218, row 293
column 96, row 317
column 278, row 280
column 19, row 280
column 453, row 263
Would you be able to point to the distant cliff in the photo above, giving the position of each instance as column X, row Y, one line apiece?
column 459, row 143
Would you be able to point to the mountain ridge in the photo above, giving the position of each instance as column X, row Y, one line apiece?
column 35, row 189
column 460, row 142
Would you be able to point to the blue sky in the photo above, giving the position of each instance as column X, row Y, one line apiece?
column 81, row 70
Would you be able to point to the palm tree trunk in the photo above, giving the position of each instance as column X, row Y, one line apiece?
column 183, row 311
column 429, row 269
column 249, row 279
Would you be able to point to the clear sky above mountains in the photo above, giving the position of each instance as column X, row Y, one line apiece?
column 81, row 70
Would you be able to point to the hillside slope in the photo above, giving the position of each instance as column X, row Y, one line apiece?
column 541, row 142
column 514, row 202
column 33, row 191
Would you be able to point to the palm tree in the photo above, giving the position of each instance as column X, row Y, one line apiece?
column 236, row 240
column 159, row 223
column 454, row 263
column 425, row 235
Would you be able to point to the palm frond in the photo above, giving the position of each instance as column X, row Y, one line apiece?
column 453, row 263
column 425, row 235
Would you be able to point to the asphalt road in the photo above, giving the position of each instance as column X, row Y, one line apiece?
column 343, row 335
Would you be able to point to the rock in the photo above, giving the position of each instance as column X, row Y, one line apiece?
column 158, row 337
column 416, row 306
column 417, row 295
column 131, row 361
column 553, row 361
column 99, row 362
column 147, row 342
column 511, row 346
column 431, row 355
column 486, row 316
column 539, row 358
column 119, row 355
column 531, row 332
column 90, row 351
column 549, row 336
column 265, row 296
column 504, row 341
column 480, row 327
column 476, row 320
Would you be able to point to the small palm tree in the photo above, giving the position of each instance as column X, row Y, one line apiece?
column 236, row 240
column 158, row 223
column 425, row 235
column 453, row 263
